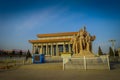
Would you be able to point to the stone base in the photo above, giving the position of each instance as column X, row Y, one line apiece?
column 83, row 53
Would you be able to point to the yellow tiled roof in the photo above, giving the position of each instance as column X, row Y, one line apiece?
column 57, row 34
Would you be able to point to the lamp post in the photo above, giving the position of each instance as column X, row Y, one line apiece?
column 113, row 45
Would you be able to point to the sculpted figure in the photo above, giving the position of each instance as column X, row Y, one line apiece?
column 93, row 38
column 88, row 42
column 75, row 45
column 81, row 40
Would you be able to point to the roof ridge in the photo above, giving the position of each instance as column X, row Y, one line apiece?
column 56, row 34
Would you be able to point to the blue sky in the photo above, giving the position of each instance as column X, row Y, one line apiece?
column 22, row 20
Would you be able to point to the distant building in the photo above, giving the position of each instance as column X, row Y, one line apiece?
column 53, row 44
column 78, row 43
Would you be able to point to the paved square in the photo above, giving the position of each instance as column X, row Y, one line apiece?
column 53, row 71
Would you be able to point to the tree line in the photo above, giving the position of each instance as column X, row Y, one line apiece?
column 14, row 53
column 110, row 53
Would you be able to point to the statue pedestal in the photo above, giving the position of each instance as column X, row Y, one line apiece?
column 84, row 53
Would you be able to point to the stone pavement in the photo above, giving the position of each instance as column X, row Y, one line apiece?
column 53, row 71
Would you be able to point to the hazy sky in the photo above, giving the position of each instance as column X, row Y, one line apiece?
column 22, row 20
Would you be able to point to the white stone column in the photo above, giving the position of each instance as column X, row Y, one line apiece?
column 64, row 50
column 33, row 49
column 51, row 49
column 57, row 52
column 69, row 47
column 36, row 48
column 46, row 49
column 41, row 49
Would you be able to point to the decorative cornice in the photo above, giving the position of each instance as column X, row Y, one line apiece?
column 50, row 40
column 56, row 34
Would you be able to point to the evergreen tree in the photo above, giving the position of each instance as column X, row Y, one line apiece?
column 5, row 53
column 13, row 52
column 28, row 55
column 100, row 51
column 116, row 53
column 111, row 53
column 20, row 53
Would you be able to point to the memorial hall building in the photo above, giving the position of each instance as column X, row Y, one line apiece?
column 53, row 44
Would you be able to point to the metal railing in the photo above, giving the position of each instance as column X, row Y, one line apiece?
column 85, row 63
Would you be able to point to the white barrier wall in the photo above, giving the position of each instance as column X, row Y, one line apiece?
column 85, row 63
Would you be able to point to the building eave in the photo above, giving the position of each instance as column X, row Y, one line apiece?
column 50, row 40
column 57, row 34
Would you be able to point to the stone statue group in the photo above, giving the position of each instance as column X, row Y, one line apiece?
column 82, row 41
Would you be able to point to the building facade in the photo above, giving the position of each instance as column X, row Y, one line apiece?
column 53, row 44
